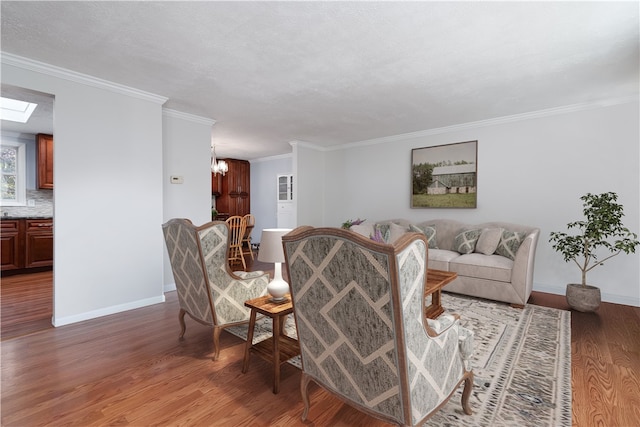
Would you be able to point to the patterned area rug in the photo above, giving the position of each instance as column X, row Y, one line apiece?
column 521, row 362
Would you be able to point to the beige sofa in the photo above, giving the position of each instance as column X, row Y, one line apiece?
column 494, row 260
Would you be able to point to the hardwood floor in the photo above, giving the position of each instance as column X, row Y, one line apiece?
column 27, row 304
column 131, row 369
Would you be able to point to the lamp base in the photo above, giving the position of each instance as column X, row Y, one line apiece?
column 278, row 288
column 280, row 300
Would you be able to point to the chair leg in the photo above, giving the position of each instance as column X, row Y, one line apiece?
column 216, row 342
column 304, row 391
column 183, row 326
column 250, row 249
column 466, row 393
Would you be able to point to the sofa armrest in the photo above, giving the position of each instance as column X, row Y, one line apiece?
column 523, row 265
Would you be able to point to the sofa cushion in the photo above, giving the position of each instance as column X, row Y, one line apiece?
column 439, row 258
column 465, row 241
column 509, row 243
column 488, row 241
column 428, row 231
column 490, row 267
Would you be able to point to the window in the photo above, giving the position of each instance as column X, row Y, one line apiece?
column 12, row 168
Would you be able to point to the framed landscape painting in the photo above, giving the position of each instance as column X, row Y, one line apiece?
column 445, row 176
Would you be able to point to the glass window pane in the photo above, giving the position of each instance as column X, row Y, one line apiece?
column 8, row 159
column 8, row 187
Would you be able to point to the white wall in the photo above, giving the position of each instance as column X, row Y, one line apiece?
column 532, row 169
column 264, row 191
column 309, row 193
column 108, row 191
column 186, row 142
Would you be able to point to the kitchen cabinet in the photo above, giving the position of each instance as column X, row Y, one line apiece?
column 235, row 191
column 11, row 244
column 45, row 161
column 38, row 243
column 216, row 184
column 26, row 243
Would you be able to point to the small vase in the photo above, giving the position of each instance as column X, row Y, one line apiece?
column 583, row 298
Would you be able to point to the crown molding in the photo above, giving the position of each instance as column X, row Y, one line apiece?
column 74, row 76
column 307, row 145
column 270, row 158
column 556, row 111
column 189, row 117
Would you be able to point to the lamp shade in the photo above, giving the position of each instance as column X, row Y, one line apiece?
column 271, row 245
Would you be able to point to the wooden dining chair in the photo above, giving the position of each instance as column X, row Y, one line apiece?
column 250, row 222
column 237, row 227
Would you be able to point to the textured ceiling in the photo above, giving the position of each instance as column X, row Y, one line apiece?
column 331, row 73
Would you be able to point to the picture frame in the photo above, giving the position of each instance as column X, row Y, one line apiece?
column 445, row 176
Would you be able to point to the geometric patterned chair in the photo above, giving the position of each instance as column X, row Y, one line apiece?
column 358, row 307
column 207, row 290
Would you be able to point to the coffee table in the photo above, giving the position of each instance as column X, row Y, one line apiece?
column 280, row 347
column 436, row 280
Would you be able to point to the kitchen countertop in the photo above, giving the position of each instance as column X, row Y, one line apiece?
column 25, row 216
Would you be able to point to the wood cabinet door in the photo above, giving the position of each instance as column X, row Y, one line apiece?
column 38, row 243
column 216, row 184
column 45, row 161
column 11, row 250
column 244, row 205
column 244, row 177
column 234, row 196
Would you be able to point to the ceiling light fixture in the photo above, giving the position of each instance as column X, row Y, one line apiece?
column 15, row 110
column 220, row 166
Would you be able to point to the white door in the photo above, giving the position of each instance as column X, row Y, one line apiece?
column 285, row 214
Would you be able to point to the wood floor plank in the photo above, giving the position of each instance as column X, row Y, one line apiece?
column 131, row 369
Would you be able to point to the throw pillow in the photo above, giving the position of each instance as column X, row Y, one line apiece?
column 387, row 232
column 428, row 231
column 489, row 240
column 381, row 233
column 395, row 232
column 509, row 243
column 365, row 230
column 465, row 241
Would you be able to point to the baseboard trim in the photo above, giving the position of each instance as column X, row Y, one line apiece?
column 67, row 320
column 606, row 297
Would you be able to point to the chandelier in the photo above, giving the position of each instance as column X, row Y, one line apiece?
column 219, row 166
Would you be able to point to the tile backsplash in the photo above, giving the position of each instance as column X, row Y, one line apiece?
column 43, row 200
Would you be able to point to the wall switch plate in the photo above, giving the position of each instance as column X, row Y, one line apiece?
column 176, row 179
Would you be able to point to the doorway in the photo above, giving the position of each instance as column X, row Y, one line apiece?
column 27, row 294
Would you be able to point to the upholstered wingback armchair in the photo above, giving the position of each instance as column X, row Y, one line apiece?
column 207, row 290
column 363, row 335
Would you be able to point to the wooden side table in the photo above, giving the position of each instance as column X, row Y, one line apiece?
column 436, row 280
column 280, row 347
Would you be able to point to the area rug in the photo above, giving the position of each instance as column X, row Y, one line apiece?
column 521, row 363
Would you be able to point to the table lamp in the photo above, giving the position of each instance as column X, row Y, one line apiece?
column 271, row 251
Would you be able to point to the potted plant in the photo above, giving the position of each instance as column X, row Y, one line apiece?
column 600, row 231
